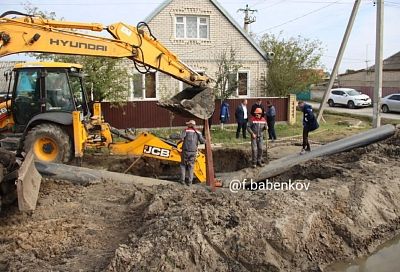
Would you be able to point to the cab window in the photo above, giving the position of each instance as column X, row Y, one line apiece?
column 28, row 85
column 58, row 95
column 77, row 92
column 26, row 97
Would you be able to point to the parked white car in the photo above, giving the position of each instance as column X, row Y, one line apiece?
column 348, row 97
column 391, row 102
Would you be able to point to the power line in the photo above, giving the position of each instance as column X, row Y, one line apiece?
column 297, row 18
column 353, row 59
column 277, row 3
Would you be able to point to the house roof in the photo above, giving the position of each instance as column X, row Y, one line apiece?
column 392, row 63
column 225, row 13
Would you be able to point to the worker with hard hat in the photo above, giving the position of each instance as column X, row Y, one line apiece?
column 256, row 127
column 191, row 138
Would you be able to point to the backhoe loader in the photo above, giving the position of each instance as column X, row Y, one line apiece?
column 48, row 113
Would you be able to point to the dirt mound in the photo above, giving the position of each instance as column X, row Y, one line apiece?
column 352, row 205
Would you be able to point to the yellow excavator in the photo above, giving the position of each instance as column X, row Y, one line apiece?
column 47, row 113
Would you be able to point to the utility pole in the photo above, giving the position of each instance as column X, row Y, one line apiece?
column 247, row 18
column 339, row 58
column 376, row 118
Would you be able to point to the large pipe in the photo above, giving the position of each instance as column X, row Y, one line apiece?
column 281, row 165
column 85, row 176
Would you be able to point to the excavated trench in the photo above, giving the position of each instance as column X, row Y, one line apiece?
column 225, row 160
column 352, row 206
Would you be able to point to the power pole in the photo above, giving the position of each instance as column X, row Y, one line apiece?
column 247, row 18
column 338, row 58
column 376, row 118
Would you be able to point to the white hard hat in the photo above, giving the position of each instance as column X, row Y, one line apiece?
column 191, row 122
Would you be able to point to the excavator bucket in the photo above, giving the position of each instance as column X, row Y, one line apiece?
column 28, row 184
column 192, row 102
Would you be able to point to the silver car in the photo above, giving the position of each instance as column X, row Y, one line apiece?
column 391, row 102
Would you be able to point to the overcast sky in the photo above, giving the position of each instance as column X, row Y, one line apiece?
column 323, row 20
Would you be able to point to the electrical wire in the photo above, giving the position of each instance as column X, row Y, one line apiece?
column 297, row 18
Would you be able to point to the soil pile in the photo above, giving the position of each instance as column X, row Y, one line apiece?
column 352, row 205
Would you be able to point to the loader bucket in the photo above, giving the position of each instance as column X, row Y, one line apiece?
column 192, row 102
column 28, row 184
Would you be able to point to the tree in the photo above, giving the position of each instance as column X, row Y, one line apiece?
column 107, row 78
column 295, row 65
column 226, row 81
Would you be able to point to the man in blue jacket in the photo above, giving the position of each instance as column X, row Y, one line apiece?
column 224, row 113
column 309, row 124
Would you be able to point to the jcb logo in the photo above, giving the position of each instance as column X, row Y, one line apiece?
column 156, row 151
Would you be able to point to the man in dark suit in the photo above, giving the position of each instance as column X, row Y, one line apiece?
column 241, row 116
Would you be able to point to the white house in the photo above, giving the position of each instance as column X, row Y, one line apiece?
column 199, row 32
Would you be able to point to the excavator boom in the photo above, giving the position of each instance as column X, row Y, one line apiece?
column 47, row 131
column 28, row 33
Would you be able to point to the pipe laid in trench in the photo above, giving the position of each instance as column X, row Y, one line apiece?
column 85, row 176
column 281, row 165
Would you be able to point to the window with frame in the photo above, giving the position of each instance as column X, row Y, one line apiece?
column 241, row 81
column 58, row 94
column 145, row 85
column 192, row 27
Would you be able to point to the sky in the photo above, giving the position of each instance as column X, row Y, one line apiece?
column 321, row 20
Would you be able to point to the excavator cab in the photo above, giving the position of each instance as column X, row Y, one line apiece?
column 41, row 88
column 39, row 106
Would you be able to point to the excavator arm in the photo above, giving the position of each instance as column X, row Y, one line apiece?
column 27, row 33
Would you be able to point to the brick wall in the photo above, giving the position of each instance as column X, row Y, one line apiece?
column 202, row 55
column 365, row 82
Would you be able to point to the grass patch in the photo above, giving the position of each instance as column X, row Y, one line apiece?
column 336, row 126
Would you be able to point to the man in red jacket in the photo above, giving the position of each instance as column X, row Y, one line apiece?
column 256, row 127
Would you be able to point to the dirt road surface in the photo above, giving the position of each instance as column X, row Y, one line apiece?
column 352, row 205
